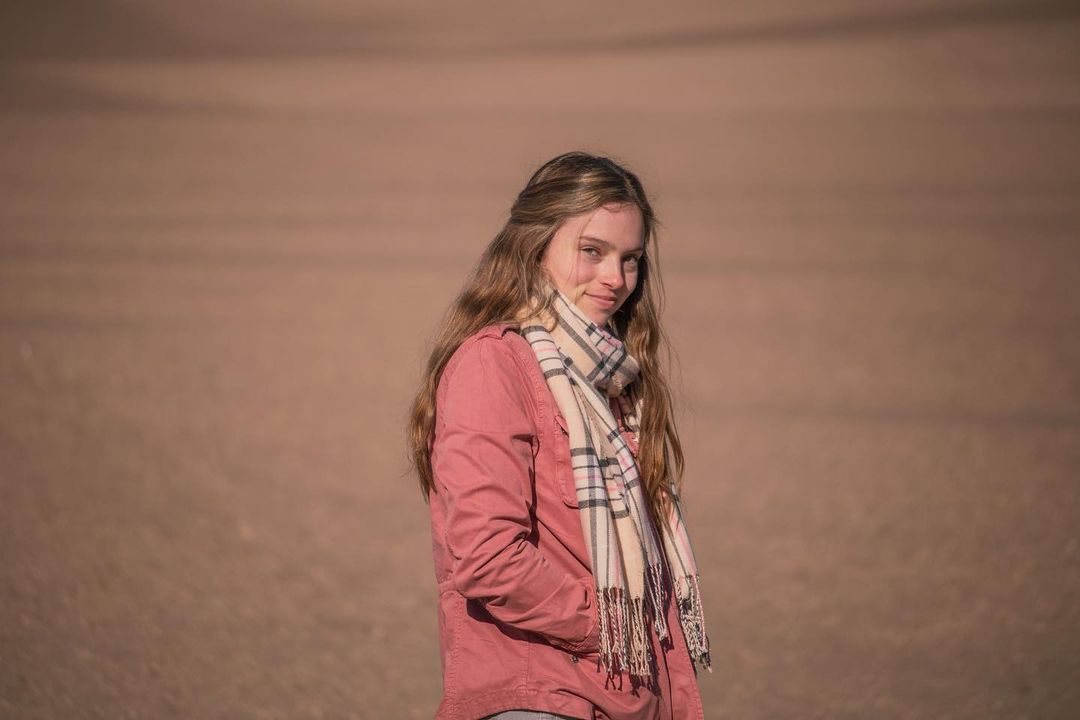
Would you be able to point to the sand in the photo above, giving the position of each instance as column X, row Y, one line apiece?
column 226, row 238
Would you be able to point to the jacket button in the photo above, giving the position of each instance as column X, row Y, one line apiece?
column 573, row 658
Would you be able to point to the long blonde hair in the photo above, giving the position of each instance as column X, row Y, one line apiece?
column 509, row 277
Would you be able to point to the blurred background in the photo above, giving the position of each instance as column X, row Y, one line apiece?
column 228, row 230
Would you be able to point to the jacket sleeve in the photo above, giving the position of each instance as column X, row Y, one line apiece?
column 483, row 467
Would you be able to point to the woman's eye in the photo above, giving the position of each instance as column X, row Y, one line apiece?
column 591, row 251
column 632, row 261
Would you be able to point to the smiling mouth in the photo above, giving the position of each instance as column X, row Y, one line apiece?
column 603, row 300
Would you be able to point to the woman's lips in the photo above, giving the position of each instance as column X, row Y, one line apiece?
column 602, row 301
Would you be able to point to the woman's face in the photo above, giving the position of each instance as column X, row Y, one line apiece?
column 593, row 259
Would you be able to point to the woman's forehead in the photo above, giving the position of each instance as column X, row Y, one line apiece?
column 611, row 223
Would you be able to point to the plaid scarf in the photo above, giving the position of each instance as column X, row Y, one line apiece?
column 587, row 367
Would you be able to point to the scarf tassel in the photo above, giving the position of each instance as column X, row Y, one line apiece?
column 692, row 619
column 654, row 579
column 624, row 637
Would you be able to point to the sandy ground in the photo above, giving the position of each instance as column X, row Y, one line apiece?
column 225, row 240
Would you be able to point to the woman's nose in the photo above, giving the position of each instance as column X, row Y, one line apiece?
column 611, row 274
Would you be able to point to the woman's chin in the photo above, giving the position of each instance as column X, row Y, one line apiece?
column 597, row 319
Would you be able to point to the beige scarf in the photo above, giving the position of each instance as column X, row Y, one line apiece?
column 585, row 365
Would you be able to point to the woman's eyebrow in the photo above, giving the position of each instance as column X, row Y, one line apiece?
column 639, row 248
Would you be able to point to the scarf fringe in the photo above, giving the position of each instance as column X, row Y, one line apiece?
column 624, row 635
column 624, row 638
column 654, row 581
column 692, row 619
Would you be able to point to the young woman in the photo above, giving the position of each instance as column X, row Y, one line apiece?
column 545, row 444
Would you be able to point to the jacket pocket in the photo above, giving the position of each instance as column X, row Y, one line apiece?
column 563, row 463
column 565, row 479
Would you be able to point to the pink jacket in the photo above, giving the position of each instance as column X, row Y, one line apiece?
column 517, row 624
